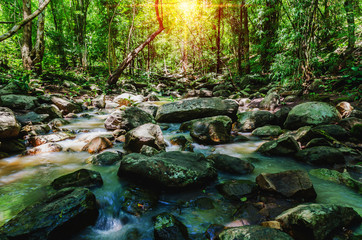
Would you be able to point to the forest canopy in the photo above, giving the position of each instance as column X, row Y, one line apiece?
column 288, row 41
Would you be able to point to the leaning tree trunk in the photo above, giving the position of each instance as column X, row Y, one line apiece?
column 132, row 55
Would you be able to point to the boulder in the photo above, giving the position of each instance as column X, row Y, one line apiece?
column 57, row 217
column 186, row 145
column 32, row 118
column 128, row 119
column 80, row 178
column 231, row 164
column 349, row 122
column 18, row 102
column 225, row 120
column 285, row 146
column 99, row 102
column 137, row 201
column 311, row 113
column 253, row 232
column 320, row 155
column 337, row 177
column 104, row 159
column 211, row 130
column 317, row 221
column 148, row 108
column 237, row 189
column 167, row 227
column 55, row 137
column 9, row 127
column 248, row 121
column 66, row 106
column 189, row 109
column 97, row 145
column 127, row 99
column 148, row 134
column 11, row 88
column 149, row 151
column 45, row 148
column 334, row 131
column 168, row 169
column 318, row 142
column 12, row 146
column 281, row 115
column 50, row 109
column 270, row 102
column 267, row 131
column 291, row 184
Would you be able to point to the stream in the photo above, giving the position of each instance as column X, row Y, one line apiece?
column 22, row 181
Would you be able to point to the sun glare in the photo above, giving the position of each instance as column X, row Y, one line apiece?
column 187, row 7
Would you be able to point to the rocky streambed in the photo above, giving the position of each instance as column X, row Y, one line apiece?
column 192, row 169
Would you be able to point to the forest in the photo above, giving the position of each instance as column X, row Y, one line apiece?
column 181, row 119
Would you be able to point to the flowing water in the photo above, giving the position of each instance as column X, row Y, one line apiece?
column 22, row 179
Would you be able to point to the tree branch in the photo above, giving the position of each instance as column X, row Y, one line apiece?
column 20, row 24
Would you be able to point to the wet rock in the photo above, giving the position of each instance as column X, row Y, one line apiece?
column 148, row 151
column 148, row 134
column 356, row 131
column 311, row 113
column 237, row 189
column 272, row 224
column 32, row 118
column 148, row 108
column 271, row 101
column 225, row 120
column 127, row 99
column 182, row 141
column 349, row 122
column 19, row 102
column 55, row 137
column 214, row 130
column 12, row 146
column 9, row 127
column 316, row 221
column 281, row 115
column 50, row 109
column 213, row 231
column 204, row 203
column 267, row 131
column 99, row 102
column 56, row 217
column 248, row 121
column 167, row 227
column 66, row 106
column 44, row 148
column 104, row 159
column 137, row 201
column 128, row 119
column 334, row 131
column 34, row 130
column 291, row 184
column 253, row 232
column 285, row 146
column 189, row 109
column 168, row 169
column 321, row 155
column 57, row 122
column 97, row 145
column 337, row 177
column 80, row 178
column 315, row 142
column 231, row 164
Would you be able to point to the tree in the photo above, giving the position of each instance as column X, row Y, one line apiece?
column 116, row 74
column 349, row 8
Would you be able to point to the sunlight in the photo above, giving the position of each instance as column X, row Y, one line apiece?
column 187, row 7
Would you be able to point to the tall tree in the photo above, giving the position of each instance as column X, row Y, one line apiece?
column 349, row 8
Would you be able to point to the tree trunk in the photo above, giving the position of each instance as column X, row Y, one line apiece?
column 38, row 51
column 60, row 42
column 246, row 40
column 132, row 55
column 26, row 44
column 218, row 39
column 349, row 8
